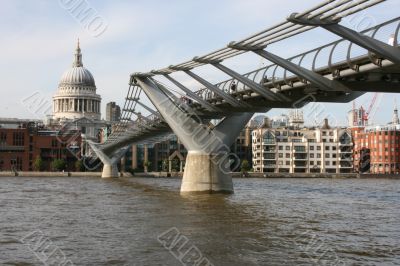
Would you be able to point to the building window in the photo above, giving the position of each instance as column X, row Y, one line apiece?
column 318, row 148
column 327, row 155
column 18, row 138
column 269, row 138
column 318, row 155
column 299, row 148
column 311, row 162
column 280, row 147
column 311, row 155
column 288, row 148
column 280, row 155
column 311, row 148
column 3, row 138
column 54, row 143
column 327, row 148
column 287, row 155
column 327, row 163
column 16, row 164
column 287, row 163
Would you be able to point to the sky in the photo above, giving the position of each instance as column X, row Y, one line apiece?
column 38, row 40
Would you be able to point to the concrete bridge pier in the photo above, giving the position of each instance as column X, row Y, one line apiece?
column 110, row 170
column 204, row 174
column 207, row 168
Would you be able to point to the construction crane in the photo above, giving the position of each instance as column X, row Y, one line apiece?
column 366, row 115
column 362, row 116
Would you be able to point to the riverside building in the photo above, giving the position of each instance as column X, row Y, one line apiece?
column 376, row 148
column 296, row 149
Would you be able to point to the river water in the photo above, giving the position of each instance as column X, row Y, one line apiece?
column 135, row 221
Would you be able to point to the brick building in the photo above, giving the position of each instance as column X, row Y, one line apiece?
column 22, row 141
column 376, row 148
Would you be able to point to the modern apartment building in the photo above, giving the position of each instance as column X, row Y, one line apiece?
column 302, row 150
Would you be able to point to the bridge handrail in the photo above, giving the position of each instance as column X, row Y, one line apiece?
column 206, row 94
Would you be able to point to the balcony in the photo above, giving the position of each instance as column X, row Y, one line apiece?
column 300, row 157
column 300, row 164
column 269, row 166
column 270, row 151
column 344, row 144
column 268, row 143
column 11, row 148
column 300, row 151
column 268, row 160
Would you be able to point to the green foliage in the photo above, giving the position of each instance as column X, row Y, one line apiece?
column 58, row 165
column 245, row 166
column 147, row 164
column 175, row 165
column 38, row 164
column 79, row 167
column 164, row 165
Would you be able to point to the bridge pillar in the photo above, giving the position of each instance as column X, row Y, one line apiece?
column 203, row 174
column 110, row 170
column 207, row 167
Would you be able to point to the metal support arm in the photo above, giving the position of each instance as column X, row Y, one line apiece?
column 314, row 78
column 227, row 97
column 150, row 110
column 193, row 95
column 269, row 95
column 371, row 44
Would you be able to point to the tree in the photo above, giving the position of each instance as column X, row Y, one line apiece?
column 175, row 164
column 38, row 164
column 165, row 165
column 245, row 166
column 146, row 165
column 79, row 167
column 58, row 165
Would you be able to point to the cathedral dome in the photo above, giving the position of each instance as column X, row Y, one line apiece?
column 76, row 96
column 77, row 76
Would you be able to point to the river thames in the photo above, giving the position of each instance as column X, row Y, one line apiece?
column 266, row 222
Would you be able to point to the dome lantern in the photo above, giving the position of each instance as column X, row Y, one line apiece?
column 78, row 57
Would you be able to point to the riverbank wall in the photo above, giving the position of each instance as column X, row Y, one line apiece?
column 179, row 175
column 277, row 175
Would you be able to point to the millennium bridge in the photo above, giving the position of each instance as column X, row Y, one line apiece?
column 368, row 64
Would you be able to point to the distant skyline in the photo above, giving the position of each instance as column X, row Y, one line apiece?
column 38, row 38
